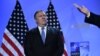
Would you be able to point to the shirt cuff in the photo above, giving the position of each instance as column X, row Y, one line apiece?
column 88, row 15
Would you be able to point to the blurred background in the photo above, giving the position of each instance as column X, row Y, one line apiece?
column 71, row 20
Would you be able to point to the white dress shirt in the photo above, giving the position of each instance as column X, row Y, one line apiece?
column 40, row 30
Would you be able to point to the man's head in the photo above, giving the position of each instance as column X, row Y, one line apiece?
column 40, row 18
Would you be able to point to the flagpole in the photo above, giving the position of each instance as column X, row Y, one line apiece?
column 50, row 1
column 16, row 0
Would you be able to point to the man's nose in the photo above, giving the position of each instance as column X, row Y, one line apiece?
column 43, row 17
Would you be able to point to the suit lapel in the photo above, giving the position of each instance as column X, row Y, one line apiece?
column 39, row 35
column 47, row 35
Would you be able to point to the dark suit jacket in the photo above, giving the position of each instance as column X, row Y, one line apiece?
column 93, row 19
column 33, row 45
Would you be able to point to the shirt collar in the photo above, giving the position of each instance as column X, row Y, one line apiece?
column 39, row 27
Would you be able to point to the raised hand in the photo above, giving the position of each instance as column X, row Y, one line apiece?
column 83, row 9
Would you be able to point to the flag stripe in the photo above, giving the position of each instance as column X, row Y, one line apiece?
column 12, row 44
column 2, row 52
column 7, row 50
column 16, row 43
column 6, row 42
column 14, row 33
column 9, row 47
column 65, row 52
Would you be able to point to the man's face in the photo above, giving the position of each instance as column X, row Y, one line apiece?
column 41, row 18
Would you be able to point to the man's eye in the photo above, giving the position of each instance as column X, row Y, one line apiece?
column 44, row 15
column 40, row 16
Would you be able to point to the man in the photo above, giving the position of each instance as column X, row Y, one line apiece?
column 90, row 17
column 43, row 40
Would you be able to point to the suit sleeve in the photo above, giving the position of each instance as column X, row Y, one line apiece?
column 60, row 44
column 93, row 19
column 27, row 49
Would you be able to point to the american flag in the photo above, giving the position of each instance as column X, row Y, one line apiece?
column 12, row 43
column 53, row 22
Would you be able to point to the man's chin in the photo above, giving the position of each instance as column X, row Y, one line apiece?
column 45, row 24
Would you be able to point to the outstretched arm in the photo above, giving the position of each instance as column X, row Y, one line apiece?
column 83, row 9
column 90, row 17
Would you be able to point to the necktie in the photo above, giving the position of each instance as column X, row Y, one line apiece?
column 43, row 34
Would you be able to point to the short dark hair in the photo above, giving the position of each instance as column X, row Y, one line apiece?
column 37, row 13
